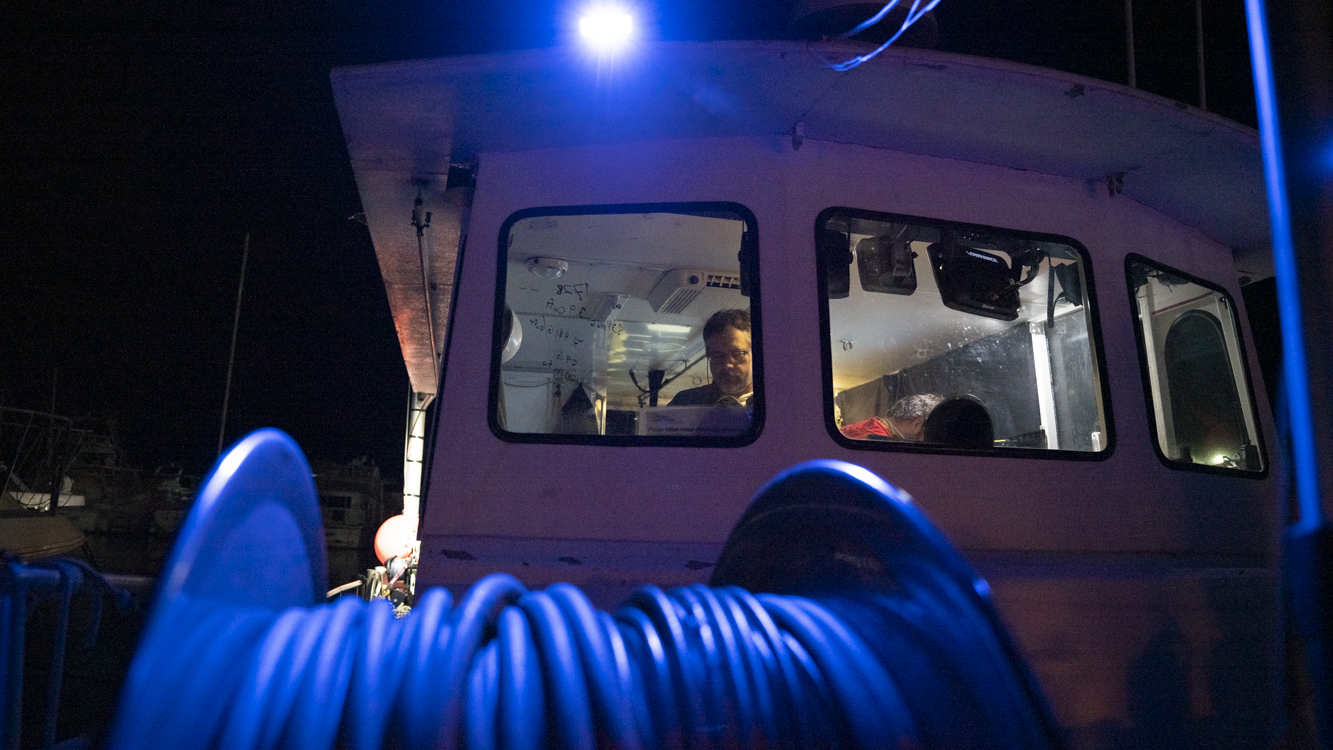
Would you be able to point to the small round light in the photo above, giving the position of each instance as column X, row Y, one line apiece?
column 606, row 29
column 547, row 268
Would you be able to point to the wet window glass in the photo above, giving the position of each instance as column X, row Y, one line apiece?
column 628, row 324
column 963, row 337
column 1198, row 390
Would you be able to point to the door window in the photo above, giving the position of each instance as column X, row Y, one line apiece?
column 1198, row 391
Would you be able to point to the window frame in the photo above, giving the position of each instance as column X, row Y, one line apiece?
column 1146, row 373
column 748, row 257
column 1094, row 333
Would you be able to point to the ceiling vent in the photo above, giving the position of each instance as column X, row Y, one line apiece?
column 676, row 291
column 722, row 281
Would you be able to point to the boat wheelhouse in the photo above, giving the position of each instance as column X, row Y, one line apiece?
column 1063, row 252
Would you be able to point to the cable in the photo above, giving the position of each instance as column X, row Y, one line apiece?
column 913, row 15
column 873, row 20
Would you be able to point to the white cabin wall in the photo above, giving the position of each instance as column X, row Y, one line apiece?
column 549, row 503
column 1129, row 501
column 1094, row 563
column 1092, row 612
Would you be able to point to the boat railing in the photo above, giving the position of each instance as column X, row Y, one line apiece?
column 22, row 585
column 36, row 451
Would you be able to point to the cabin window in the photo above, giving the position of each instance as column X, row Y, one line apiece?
column 1198, row 392
column 958, row 337
column 628, row 325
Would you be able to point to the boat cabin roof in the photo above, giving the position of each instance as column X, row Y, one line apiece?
column 407, row 123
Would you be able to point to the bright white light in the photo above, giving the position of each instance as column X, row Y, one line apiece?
column 668, row 328
column 606, row 28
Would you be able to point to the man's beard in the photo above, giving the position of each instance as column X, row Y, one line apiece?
column 732, row 384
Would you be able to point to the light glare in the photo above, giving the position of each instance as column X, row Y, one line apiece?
column 606, row 28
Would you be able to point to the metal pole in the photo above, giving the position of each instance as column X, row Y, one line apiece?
column 1198, row 43
column 1129, row 42
column 1292, row 59
column 231, row 358
column 52, row 436
column 421, row 220
column 1294, row 97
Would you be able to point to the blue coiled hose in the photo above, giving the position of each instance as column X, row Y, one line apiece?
column 898, row 648
column 510, row 668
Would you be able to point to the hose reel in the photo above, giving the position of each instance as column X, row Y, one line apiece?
column 837, row 617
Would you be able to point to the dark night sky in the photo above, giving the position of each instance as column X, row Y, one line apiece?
column 139, row 142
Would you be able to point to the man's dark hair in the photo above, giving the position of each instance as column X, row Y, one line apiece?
column 723, row 319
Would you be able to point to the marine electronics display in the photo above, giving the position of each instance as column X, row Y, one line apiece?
column 974, row 281
column 885, row 263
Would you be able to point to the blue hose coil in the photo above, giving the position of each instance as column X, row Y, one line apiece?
column 509, row 668
column 912, row 657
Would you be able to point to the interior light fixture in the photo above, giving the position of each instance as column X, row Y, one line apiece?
column 547, row 268
column 667, row 328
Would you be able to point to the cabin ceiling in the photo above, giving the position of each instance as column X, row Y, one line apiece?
column 617, row 254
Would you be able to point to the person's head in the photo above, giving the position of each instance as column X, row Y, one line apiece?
column 909, row 413
column 960, row 423
column 727, row 345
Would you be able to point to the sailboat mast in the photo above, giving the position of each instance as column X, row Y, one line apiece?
column 231, row 358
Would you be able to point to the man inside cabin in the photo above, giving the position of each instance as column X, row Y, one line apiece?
column 728, row 348
column 905, row 421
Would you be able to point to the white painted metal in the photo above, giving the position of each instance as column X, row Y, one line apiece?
column 1041, row 359
column 414, row 452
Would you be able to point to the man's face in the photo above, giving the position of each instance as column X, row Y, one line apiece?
column 911, row 429
column 729, row 360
